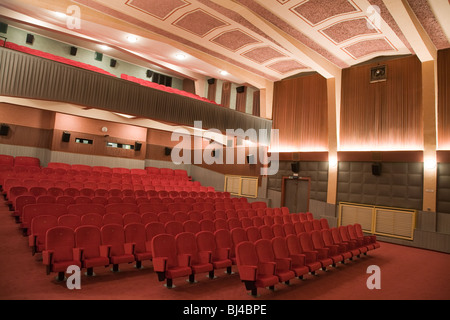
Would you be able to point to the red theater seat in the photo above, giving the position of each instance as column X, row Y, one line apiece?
column 92, row 252
column 69, row 220
column 308, row 246
column 92, row 219
column 341, row 249
column 254, row 273
column 38, row 230
column 220, row 257
column 192, row 226
column 296, row 261
column 119, row 252
column 199, row 261
column 167, row 262
column 295, row 248
column 135, row 234
column 60, row 252
column 325, row 251
column 370, row 241
column 265, row 253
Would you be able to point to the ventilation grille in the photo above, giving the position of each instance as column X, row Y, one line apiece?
column 242, row 186
column 390, row 222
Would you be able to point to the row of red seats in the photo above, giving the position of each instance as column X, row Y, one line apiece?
column 265, row 263
column 129, row 196
column 7, row 162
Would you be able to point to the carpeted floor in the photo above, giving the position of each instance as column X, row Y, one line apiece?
column 406, row 274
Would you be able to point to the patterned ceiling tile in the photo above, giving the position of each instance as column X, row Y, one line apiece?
column 317, row 11
column 234, row 39
column 160, row 9
column 263, row 54
column 346, row 30
column 283, row 1
column 287, row 66
column 366, row 47
column 199, row 22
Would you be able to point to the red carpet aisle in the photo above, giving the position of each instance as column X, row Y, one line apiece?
column 406, row 273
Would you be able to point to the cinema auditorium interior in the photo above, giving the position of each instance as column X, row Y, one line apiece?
column 224, row 150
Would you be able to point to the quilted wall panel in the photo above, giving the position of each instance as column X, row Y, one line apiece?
column 317, row 171
column 443, row 190
column 400, row 185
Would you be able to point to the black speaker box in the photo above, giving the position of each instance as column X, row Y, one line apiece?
column 73, row 51
column 137, row 146
column 66, row 136
column 250, row 159
column 30, row 38
column 4, row 130
column 295, row 166
column 376, row 169
column 3, row 27
column 240, row 89
column 149, row 73
column 211, row 81
column 113, row 63
column 167, row 151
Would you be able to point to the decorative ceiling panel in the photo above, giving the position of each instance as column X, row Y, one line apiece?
column 160, row 9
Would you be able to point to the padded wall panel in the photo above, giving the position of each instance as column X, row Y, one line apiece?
column 317, row 171
column 400, row 184
column 443, row 190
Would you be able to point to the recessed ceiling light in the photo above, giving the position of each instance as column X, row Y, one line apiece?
column 105, row 48
column 224, row 73
column 60, row 15
column 180, row 56
column 132, row 39
column 125, row 115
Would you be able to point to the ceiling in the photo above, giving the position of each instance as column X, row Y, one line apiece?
column 255, row 41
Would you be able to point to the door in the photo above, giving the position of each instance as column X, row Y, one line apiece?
column 295, row 194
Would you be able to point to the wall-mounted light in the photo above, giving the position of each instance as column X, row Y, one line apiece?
column 132, row 39
column 332, row 161
column 430, row 163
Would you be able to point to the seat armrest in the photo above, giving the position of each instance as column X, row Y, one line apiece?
column 247, row 272
column 160, row 264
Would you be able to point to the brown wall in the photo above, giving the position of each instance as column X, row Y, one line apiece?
column 444, row 99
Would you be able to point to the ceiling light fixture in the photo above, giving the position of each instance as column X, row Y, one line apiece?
column 180, row 56
column 132, row 39
column 60, row 15
column 104, row 47
column 224, row 73
column 125, row 115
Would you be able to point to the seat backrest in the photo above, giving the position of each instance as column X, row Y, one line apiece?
column 186, row 243
column 264, row 250
column 153, row 229
column 82, row 200
column 308, row 226
column 351, row 232
column 231, row 213
column 337, row 239
column 164, row 245
column 327, row 237
column 317, row 240
column 223, row 239
column 84, row 208
column 285, row 210
column 278, row 220
column 246, row 254
column 149, row 217
column 268, row 220
column 89, row 238
column 135, row 233
column 299, row 228
column 65, row 200
column 22, row 201
column 121, row 208
column 113, row 218
column 238, row 235
column 45, row 199
column 294, row 246
column 165, row 217
column 37, row 191
column 287, row 218
column 207, row 225
column 280, row 248
column 114, row 236
column 253, row 234
column 92, row 219
column 208, row 215
column 152, row 207
column 220, row 214
column 174, row 227
column 220, row 224
column 195, row 215
column 358, row 230
column 180, row 216
column 343, row 231
column 27, row 161
column 55, row 191
column 309, row 216
column 69, row 220
column 131, row 217
column 257, row 221
column 206, row 241
column 289, row 228
column 191, row 226
column 324, row 224
column 40, row 224
column 60, row 240
column 268, row 211
column 278, row 230
column 306, row 242
column 266, row 232
column 234, row 223
column 316, row 224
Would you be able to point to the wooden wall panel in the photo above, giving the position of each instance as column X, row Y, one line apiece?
column 300, row 113
column 444, row 99
column 28, row 137
column 26, row 117
column 383, row 115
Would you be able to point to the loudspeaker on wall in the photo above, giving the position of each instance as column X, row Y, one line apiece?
column 113, row 63
column 149, row 73
column 4, row 130
column 376, row 169
column 295, row 166
column 211, row 81
column 30, row 38
column 73, row 51
column 137, row 146
column 240, row 89
column 167, row 151
column 66, row 136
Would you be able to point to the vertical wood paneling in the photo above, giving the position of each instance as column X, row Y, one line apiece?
column 444, row 99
